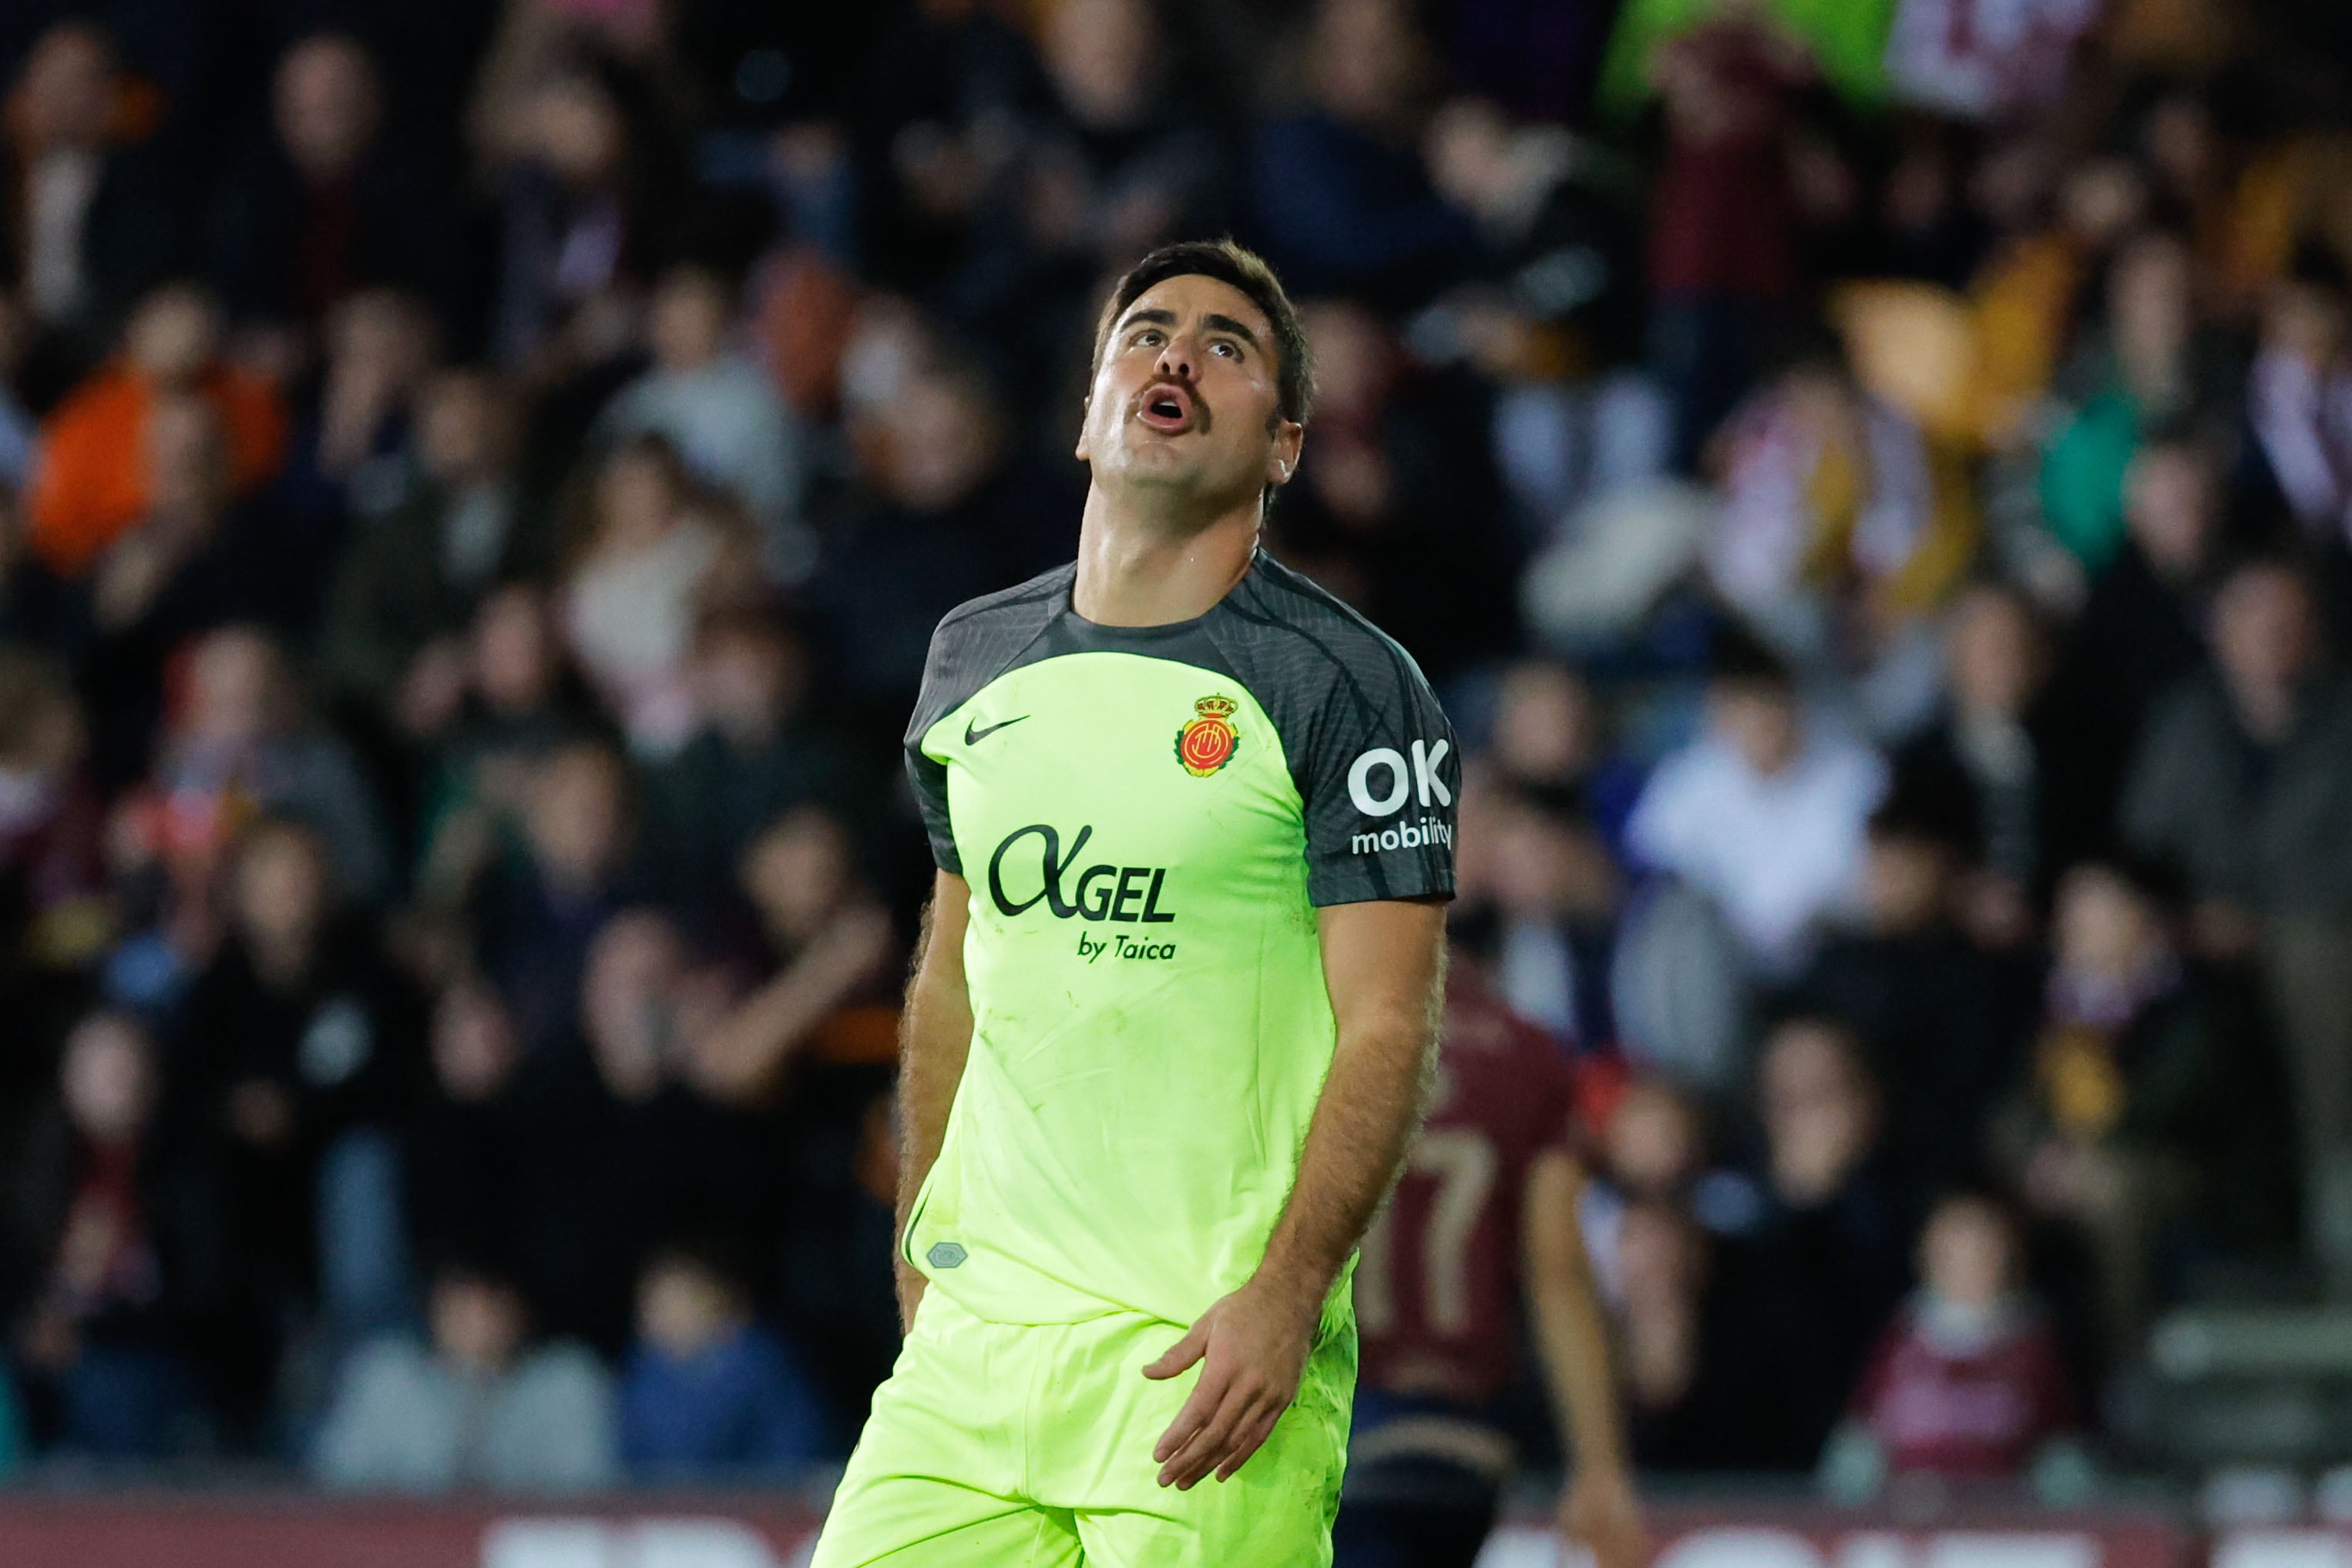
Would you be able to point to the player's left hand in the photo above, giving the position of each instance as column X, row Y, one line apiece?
column 1599, row 1512
column 1253, row 1346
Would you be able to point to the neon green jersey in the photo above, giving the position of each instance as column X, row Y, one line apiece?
column 1148, row 817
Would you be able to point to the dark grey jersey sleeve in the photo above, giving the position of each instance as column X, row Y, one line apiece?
column 1376, row 763
column 973, row 645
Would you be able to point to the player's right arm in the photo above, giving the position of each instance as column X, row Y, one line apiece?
column 1599, row 1508
column 934, row 1036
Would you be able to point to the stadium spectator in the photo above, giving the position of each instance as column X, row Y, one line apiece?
column 93, row 215
column 1937, row 1019
column 99, row 471
column 1337, row 193
column 300, row 1052
column 1695, row 1396
column 326, row 204
column 721, row 414
column 1966, row 1382
column 533, row 915
column 754, row 753
column 461, row 1148
column 1764, row 811
column 647, row 555
column 2299, row 400
column 112, row 1258
column 411, row 579
column 2241, row 776
column 1824, row 1260
column 477, row 1407
column 2144, row 1120
column 705, row 1394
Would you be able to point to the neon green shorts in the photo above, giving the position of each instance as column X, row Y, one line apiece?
column 1029, row 1446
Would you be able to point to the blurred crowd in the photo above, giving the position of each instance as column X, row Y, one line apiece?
column 1871, row 482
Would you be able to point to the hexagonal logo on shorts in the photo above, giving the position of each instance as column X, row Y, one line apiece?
column 946, row 1255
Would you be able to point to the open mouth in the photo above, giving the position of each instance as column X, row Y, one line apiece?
column 1166, row 408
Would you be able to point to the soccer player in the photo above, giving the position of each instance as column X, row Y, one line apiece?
column 1166, row 1040
column 1484, row 1217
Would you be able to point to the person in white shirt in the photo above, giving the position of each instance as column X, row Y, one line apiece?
column 1764, row 812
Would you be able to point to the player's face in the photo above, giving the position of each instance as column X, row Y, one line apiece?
column 1187, row 399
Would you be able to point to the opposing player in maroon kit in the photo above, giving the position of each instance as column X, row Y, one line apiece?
column 1482, row 1229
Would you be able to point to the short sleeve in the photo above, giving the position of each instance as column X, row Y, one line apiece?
column 1377, row 787
column 928, row 777
column 926, row 774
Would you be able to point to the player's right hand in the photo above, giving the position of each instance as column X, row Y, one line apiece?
column 1600, row 1513
column 1251, row 1346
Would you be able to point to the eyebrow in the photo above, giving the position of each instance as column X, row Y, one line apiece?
column 1213, row 321
column 1227, row 324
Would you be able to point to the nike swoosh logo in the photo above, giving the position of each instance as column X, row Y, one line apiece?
column 973, row 736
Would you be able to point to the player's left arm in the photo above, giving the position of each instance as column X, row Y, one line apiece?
column 1384, row 963
column 1599, row 1508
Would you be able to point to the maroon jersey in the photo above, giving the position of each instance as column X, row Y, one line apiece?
column 1964, row 1410
column 1437, row 1286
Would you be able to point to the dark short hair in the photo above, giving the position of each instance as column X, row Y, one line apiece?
column 1245, row 271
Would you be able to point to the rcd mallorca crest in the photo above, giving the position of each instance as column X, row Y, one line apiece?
column 1206, row 744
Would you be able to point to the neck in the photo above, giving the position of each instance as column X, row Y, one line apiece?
column 1137, row 568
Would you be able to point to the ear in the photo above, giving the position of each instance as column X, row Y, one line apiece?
column 1289, row 438
column 1085, row 454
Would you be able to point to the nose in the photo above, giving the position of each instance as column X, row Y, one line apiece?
column 1176, row 359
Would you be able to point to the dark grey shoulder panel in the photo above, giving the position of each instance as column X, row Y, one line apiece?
column 978, row 640
column 1369, row 748
column 975, row 643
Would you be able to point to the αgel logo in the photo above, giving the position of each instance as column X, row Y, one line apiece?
column 1101, row 892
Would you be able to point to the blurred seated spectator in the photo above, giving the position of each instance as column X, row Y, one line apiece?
column 579, row 201
column 1556, row 896
column 2299, row 400
column 1338, row 195
column 53, row 906
column 238, row 744
column 347, row 459
column 1396, row 508
column 535, row 912
column 482, row 709
column 98, row 473
column 2141, row 629
column 1994, row 770
column 648, row 554
column 705, row 1394
column 1967, row 1384
column 300, row 1052
column 621, row 1147
column 941, row 515
column 92, row 215
column 1825, row 1260
column 2243, row 782
column 326, row 204
column 720, row 412
column 831, row 946
column 1552, row 744
column 194, row 561
column 2150, row 363
column 461, row 1143
column 479, row 1407
column 1692, row 1364
column 1726, row 217
column 113, row 1260
column 411, row 581
column 1651, row 1147
column 2145, row 1123
column 754, row 753
column 1939, row 1020
column 1844, row 526
column 1764, row 811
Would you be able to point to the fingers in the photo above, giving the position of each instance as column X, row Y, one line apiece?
column 1207, row 1394
column 1242, row 1422
column 1196, row 1457
column 1182, row 1355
